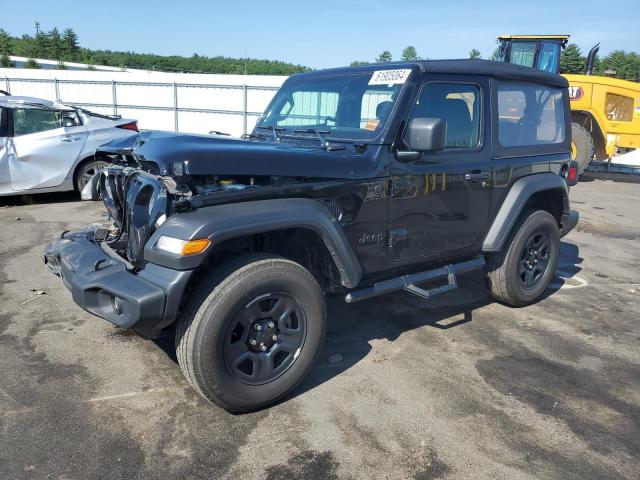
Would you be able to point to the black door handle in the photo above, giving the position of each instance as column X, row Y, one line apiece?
column 477, row 176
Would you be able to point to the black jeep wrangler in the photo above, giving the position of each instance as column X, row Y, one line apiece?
column 354, row 182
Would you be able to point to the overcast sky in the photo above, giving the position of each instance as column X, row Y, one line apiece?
column 324, row 33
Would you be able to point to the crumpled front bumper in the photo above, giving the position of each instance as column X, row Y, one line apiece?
column 146, row 301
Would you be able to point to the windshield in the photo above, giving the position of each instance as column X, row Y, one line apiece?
column 341, row 106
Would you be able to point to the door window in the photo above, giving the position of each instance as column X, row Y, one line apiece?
column 458, row 105
column 549, row 57
column 32, row 120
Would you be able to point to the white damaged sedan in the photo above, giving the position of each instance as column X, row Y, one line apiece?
column 47, row 146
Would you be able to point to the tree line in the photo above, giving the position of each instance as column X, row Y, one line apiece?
column 618, row 63
column 65, row 47
column 409, row 54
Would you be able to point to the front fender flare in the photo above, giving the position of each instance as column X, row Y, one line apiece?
column 224, row 222
column 514, row 202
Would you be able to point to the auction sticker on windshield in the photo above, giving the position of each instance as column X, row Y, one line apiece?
column 389, row 77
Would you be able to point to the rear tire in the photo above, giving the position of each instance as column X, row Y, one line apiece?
column 214, row 333
column 86, row 171
column 582, row 146
column 516, row 275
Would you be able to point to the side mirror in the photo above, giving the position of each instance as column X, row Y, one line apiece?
column 425, row 135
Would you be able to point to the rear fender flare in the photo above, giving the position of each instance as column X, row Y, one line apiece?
column 224, row 222
column 514, row 202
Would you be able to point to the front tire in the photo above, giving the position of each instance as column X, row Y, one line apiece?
column 251, row 332
column 520, row 273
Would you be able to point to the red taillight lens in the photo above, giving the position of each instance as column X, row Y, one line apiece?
column 129, row 126
column 573, row 174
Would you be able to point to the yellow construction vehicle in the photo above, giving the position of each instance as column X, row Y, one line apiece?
column 605, row 111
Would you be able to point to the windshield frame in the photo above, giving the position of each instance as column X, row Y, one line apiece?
column 378, row 137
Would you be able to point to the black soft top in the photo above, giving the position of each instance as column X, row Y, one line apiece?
column 505, row 71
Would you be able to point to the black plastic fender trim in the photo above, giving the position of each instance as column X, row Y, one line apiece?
column 224, row 222
column 520, row 192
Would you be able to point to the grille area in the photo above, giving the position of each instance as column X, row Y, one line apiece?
column 135, row 200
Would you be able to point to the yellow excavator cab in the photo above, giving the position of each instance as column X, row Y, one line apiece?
column 538, row 51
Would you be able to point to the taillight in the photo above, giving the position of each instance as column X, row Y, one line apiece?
column 570, row 173
column 129, row 126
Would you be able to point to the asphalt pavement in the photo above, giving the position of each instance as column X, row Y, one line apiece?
column 459, row 387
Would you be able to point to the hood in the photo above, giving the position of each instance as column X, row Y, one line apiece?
column 218, row 155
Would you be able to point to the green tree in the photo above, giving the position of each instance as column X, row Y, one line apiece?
column 5, row 43
column 571, row 59
column 5, row 61
column 55, row 44
column 31, row 63
column 473, row 53
column 355, row 63
column 61, row 65
column 495, row 56
column 626, row 65
column 40, row 45
column 384, row 57
column 70, row 47
column 409, row 54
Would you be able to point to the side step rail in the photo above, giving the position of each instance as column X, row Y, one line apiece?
column 408, row 282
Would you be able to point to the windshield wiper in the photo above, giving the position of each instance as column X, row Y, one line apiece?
column 274, row 130
column 318, row 133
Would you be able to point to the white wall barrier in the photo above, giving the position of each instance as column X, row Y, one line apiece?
column 185, row 102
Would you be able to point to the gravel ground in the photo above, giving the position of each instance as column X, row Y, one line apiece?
column 460, row 387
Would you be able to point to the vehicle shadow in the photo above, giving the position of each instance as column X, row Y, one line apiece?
column 39, row 199
column 351, row 328
column 614, row 177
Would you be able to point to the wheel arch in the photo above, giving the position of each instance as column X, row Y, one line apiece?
column 261, row 226
column 543, row 191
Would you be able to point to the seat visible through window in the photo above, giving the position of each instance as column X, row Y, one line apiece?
column 457, row 105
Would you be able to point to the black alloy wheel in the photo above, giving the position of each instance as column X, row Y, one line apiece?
column 534, row 260
column 265, row 338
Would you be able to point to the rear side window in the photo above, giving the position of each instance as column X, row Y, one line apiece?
column 530, row 115
column 31, row 120
column 458, row 105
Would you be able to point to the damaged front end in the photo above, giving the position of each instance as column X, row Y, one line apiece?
column 137, row 202
column 103, row 265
